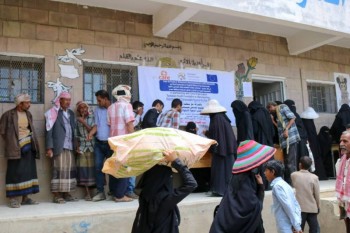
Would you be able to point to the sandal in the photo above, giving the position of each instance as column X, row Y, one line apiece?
column 58, row 200
column 69, row 197
column 14, row 203
column 123, row 199
column 88, row 198
column 29, row 201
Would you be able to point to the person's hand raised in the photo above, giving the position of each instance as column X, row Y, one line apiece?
column 258, row 179
column 169, row 155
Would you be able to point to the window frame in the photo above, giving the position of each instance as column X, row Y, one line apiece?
column 264, row 99
column 111, row 65
column 26, row 63
column 329, row 103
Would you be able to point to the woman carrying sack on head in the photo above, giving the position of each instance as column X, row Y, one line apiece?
column 158, row 211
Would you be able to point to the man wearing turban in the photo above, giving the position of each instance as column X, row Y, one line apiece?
column 120, row 117
column 60, row 146
column 21, row 150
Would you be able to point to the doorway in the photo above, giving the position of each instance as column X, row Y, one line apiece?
column 267, row 89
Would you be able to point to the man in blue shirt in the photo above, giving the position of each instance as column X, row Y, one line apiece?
column 285, row 206
column 102, row 150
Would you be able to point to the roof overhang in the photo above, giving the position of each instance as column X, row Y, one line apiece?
column 168, row 15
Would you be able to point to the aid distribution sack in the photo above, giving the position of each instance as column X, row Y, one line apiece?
column 137, row 152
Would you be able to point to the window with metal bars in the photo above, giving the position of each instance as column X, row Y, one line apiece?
column 322, row 97
column 21, row 75
column 106, row 76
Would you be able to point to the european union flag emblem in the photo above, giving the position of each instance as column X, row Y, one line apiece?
column 212, row 78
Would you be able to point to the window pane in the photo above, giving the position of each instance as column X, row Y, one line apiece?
column 87, row 94
column 88, row 78
column 98, row 76
column 21, row 75
column 322, row 97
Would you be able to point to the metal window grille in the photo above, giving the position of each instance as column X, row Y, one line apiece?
column 322, row 97
column 21, row 75
column 270, row 97
column 103, row 76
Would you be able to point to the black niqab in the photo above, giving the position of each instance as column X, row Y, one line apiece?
column 325, row 141
column 158, row 211
column 243, row 121
column 220, row 130
column 341, row 120
column 223, row 154
column 315, row 148
column 155, row 185
column 155, row 180
column 263, row 127
column 298, row 122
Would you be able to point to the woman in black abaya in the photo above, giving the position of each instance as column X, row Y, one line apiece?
column 263, row 129
column 341, row 120
column 240, row 208
column 325, row 141
column 158, row 211
column 308, row 117
column 223, row 154
column 262, row 124
column 243, row 121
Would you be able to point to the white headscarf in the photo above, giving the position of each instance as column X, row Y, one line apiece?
column 23, row 97
column 122, row 92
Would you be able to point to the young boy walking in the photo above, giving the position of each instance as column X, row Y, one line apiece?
column 307, row 191
column 285, row 206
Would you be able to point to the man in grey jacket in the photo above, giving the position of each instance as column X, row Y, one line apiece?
column 60, row 146
column 21, row 150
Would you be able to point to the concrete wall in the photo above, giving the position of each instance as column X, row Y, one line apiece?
column 48, row 28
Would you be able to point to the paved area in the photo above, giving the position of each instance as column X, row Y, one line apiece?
column 196, row 210
column 46, row 209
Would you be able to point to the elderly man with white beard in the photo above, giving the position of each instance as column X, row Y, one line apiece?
column 342, row 185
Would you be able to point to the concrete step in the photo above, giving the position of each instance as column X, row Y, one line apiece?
column 99, row 217
column 108, row 216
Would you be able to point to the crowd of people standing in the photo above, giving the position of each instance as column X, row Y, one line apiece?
column 241, row 167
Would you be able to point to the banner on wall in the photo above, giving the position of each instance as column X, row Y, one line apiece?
column 342, row 85
column 194, row 87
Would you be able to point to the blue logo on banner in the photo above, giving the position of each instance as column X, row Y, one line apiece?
column 185, row 86
column 335, row 2
column 212, row 78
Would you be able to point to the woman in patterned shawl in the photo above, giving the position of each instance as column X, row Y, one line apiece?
column 85, row 151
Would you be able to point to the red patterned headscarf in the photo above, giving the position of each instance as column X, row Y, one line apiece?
column 51, row 114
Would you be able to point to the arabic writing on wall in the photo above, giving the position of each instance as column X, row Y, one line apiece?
column 129, row 56
column 192, row 62
column 161, row 45
column 147, row 59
